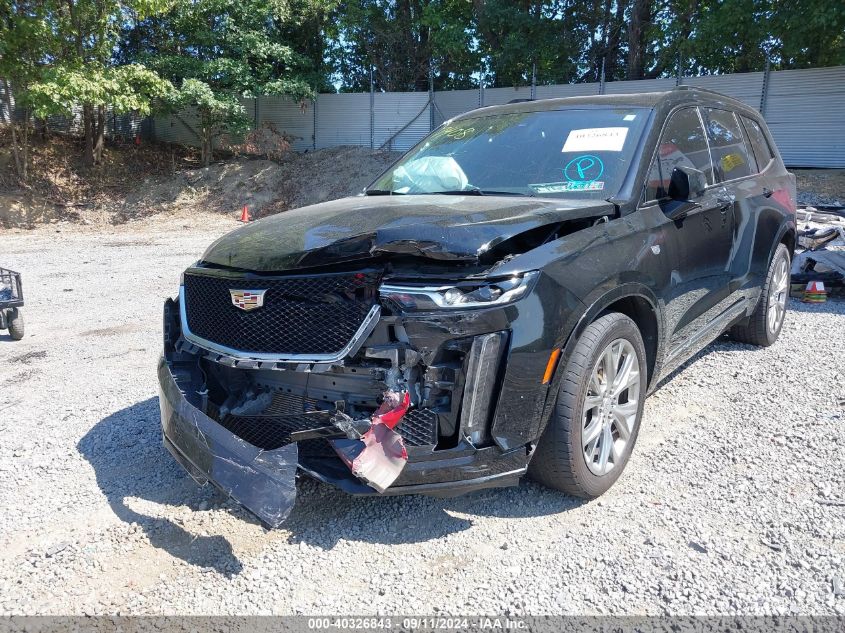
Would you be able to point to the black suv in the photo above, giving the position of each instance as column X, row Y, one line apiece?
column 498, row 302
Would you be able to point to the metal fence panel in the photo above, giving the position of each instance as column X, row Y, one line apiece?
column 451, row 103
column 746, row 87
column 567, row 90
column 343, row 119
column 805, row 110
column 5, row 115
column 393, row 111
column 184, row 128
column 288, row 117
column 643, row 85
column 69, row 124
column 174, row 129
column 123, row 126
column 500, row 96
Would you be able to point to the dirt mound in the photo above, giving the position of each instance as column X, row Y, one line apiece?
column 136, row 182
column 264, row 186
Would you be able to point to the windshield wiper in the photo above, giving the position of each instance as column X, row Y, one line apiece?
column 382, row 192
column 475, row 191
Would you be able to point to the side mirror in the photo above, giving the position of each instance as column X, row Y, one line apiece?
column 686, row 183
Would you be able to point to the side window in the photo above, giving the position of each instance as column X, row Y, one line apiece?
column 759, row 144
column 730, row 155
column 682, row 143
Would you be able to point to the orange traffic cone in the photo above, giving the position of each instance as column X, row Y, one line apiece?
column 815, row 292
column 245, row 214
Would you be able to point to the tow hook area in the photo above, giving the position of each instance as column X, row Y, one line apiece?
column 377, row 455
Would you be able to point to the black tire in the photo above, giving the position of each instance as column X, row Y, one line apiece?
column 15, row 320
column 559, row 461
column 755, row 330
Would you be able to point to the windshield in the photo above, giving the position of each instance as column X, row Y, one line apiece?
column 563, row 153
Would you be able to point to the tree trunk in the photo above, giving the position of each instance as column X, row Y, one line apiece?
column 16, row 152
column 25, row 144
column 637, row 28
column 614, row 43
column 100, row 134
column 88, row 127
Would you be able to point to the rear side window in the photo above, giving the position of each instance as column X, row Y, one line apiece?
column 682, row 144
column 759, row 144
column 730, row 154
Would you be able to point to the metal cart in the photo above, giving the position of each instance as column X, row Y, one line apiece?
column 11, row 301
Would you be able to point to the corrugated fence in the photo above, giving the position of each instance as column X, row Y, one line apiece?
column 124, row 126
column 805, row 110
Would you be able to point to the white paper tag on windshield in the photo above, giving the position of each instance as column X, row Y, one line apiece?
column 596, row 139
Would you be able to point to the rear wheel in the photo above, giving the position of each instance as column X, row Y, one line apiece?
column 15, row 320
column 765, row 323
column 596, row 419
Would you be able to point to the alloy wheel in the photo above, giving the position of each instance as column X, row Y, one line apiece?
column 610, row 407
column 778, row 290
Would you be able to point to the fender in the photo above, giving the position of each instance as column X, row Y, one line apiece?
column 594, row 308
column 786, row 228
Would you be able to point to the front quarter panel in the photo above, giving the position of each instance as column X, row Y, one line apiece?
column 591, row 268
column 629, row 251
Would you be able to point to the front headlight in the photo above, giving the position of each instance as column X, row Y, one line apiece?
column 462, row 295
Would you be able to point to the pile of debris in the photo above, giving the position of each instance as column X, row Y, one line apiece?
column 821, row 260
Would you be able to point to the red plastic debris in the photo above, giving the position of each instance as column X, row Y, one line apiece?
column 380, row 455
column 391, row 411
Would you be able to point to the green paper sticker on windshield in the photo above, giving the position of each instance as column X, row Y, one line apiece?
column 564, row 187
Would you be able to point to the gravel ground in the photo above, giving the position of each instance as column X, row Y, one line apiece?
column 734, row 501
column 820, row 186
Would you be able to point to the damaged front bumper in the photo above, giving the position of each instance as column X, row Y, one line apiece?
column 262, row 481
column 467, row 392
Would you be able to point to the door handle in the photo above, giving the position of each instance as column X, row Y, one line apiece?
column 725, row 201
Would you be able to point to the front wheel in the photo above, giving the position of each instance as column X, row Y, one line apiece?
column 596, row 419
column 763, row 326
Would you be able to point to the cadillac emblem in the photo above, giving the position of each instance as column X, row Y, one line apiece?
column 247, row 299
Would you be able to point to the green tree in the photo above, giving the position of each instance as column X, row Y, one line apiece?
column 25, row 44
column 129, row 88
column 83, row 74
column 807, row 33
column 218, row 52
column 726, row 36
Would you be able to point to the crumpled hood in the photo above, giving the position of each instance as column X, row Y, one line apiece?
column 440, row 227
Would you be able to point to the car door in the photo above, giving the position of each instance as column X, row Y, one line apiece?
column 698, row 244
column 736, row 169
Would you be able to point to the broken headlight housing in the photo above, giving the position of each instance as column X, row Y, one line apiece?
column 462, row 295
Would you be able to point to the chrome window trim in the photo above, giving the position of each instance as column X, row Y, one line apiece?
column 673, row 112
column 353, row 346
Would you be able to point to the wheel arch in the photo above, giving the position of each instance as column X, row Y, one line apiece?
column 637, row 302
column 787, row 238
